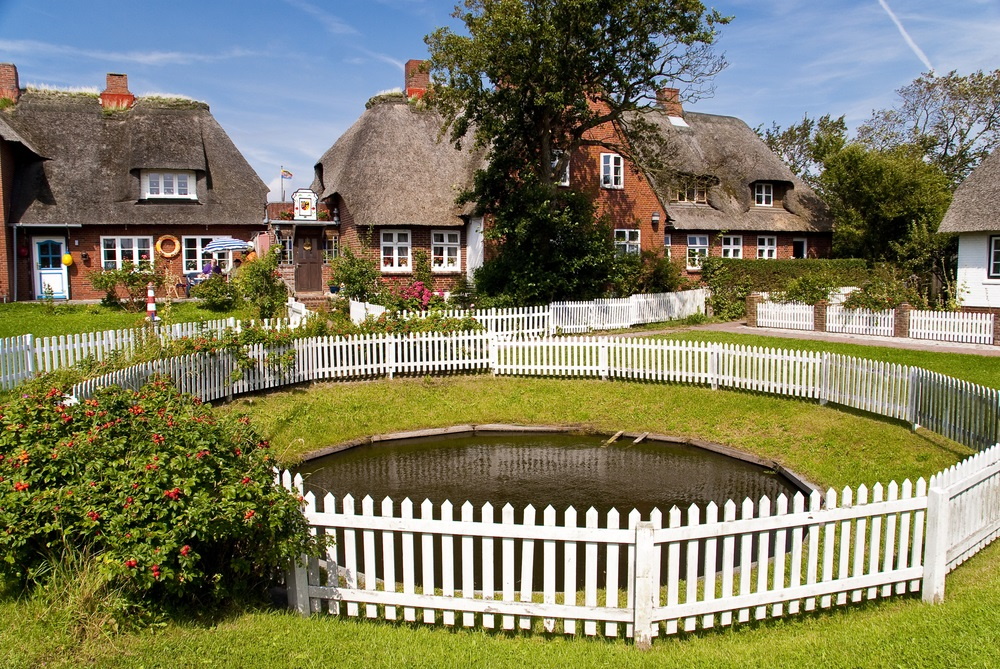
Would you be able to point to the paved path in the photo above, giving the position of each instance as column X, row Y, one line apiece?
column 888, row 342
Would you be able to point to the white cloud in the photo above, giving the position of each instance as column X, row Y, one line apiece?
column 36, row 48
column 332, row 24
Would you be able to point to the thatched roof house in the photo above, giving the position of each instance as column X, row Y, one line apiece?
column 391, row 167
column 975, row 215
column 976, row 204
column 112, row 178
column 392, row 176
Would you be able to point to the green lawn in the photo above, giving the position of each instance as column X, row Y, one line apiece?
column 41, row 320
column 831, row 447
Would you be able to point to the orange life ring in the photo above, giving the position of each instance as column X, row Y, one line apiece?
column 171, row 253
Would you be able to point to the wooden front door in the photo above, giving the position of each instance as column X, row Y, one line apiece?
column 308, row 259
column 51, row 277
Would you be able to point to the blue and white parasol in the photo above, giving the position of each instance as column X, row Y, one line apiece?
column 222, row 244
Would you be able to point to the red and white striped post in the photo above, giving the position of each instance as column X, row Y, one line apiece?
column 151, row 303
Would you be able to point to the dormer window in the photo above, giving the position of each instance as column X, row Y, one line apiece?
column 763, row 194
column 169, row 185
column 696, row 193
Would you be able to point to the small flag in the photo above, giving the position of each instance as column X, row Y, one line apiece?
column 285, row 174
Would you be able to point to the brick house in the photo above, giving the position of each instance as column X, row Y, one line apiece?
column 973, row 216
column 112, row 178
column 725, row 193
column 392, row 185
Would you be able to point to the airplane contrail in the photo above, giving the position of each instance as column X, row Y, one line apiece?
column 906, row 36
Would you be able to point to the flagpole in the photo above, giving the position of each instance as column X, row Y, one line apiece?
column 281, row 179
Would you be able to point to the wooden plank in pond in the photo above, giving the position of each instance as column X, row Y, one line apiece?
column 614, row 438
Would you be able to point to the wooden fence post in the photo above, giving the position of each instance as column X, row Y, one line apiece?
column 390, row 355
column 297, row 582
column 602, row 358
column 644, row 587
column 29, row 345
column 913, row 398
column 824, row 380
column 936, row 546
column 713, row 365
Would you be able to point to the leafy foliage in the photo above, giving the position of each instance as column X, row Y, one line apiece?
column 178, row 503
column 217, row 294
column 127, row 286
column 550, row 246
column 953, row 119
column 886, row 288
column 357, row 276
column 531, row 81
column 649, row 272
column 731, row 280
column 390, row 323
column 261, row 285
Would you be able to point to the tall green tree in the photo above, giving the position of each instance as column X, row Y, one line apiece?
column 803, row 145
column 953, row 119
column 533, row 79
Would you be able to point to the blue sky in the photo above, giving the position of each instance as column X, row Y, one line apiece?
column 286, row 78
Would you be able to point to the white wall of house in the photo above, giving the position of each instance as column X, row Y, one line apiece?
column 975, row 287
column 473, row 246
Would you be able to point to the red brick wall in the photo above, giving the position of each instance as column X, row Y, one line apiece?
column 10, row 87
column 88, row 240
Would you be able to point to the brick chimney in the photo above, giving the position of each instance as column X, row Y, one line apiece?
column 418, row 78
column 670, row 100
column 10, row 87
column 117, row 95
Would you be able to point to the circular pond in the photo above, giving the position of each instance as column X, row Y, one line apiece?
column 542, row 469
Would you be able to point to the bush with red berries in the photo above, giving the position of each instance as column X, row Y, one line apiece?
column 178, row 503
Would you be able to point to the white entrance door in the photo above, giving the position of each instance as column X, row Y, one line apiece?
column 49, row 270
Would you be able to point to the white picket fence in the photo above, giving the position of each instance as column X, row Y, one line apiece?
column 23, row 357
column 702, row 568
column 785, row 315
column 699, row 570
column 860, row 321
column 952, row 326
column 568, row 317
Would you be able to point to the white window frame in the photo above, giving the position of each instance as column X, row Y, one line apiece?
column 697, row 251
column 612, row 171
column 993, row 264
column 125, row 248
column 169, row 185
column 667, row 245
column 805, row 247
column 763, row 194
column 563, row 179
column 193, row 250
column 399, row 244
column 767, row 247
column 331, row 246
column 627, row 241
column 732, row 246
column 446, row 251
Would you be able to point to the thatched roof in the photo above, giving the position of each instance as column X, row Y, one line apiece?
column 976, row 204
column 94, row 158
column 391, row 168
column 726, row 153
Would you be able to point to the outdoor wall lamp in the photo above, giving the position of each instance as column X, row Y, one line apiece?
column 336, row 216
column 85, row 257
column 655, row 220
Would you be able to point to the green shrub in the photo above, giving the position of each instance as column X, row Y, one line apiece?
column 127, row 287
column 390, row 323
column 261, row 285
column 887, row 288
column 216, row 293
column 731, row 280
column 357, row 276
column 647, row 273
column 176, row 503
column 810, row 289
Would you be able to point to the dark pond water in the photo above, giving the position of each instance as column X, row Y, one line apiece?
column 541, row 469
column 538, row 469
